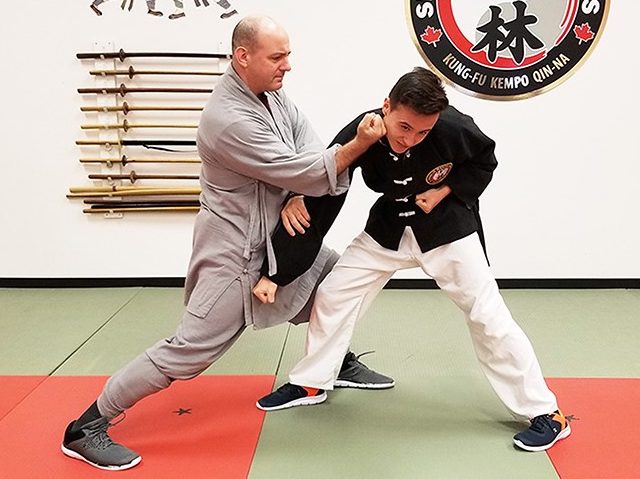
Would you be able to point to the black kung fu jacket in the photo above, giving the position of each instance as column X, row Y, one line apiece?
column 455, row 153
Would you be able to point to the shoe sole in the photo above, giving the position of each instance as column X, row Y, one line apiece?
column 75, row 455
column 343, row 383
column 563, row 434
column 306, row 401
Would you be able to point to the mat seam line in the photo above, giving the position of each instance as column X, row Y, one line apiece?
column 46, row 376
column 284, row 346
column 100, row 328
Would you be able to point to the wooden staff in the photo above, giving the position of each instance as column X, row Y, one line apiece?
column 136, row 192
column 121, row 55
column 142, row 202
column 145, row 143
column 131, row 210
column 124, row 160
column 114, row 188
column 126, row 126
column 133, row 177
column 124, row 89
column 126, row 108
column 124, row 194
column 131, row 72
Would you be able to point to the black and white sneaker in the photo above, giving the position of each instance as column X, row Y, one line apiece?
column 91, row 443
column 290, row 395
column 354, row 374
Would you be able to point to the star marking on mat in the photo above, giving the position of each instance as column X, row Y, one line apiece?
column 182, row 411
column 571, row 417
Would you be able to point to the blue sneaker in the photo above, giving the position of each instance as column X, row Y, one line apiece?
column 543, row 433
column 290, row 395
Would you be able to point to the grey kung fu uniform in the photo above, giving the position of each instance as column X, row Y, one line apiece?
column 252, row 157
column 455, row 153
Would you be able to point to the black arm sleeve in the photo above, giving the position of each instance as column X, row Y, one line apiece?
column 296, row 254
column 475, row 154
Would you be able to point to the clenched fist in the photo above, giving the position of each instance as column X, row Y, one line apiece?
column 428, row 200
column 370, row 129
column 265, row 290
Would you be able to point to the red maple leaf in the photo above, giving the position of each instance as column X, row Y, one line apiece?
column 583, row 33
column 431, row 35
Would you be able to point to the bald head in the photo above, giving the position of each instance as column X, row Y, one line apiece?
column 248, row 31
column 260, row 53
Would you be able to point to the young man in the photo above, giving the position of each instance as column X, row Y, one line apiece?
column 255, row 147
column 430, row 169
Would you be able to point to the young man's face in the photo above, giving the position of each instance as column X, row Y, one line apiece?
column 405, row 127
column 268, row 61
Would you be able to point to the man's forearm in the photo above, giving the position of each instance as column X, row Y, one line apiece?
column 349, row 153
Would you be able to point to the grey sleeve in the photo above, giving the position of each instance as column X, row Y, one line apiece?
column 251, row 149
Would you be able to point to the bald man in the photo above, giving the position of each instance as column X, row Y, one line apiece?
column 256, row 148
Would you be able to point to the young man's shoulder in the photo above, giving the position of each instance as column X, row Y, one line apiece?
column 451, row 117
column 456, row 134
column 454, row 124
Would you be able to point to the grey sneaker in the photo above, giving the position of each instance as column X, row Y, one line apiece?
column 92, row 444
column 354, row 374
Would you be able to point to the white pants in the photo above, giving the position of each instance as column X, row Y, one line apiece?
column 461, row 271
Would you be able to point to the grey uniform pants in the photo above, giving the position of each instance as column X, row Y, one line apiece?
column 196, row 345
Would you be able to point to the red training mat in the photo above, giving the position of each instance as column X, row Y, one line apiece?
column 14, row 389
column 204, row 428
column 605, row 425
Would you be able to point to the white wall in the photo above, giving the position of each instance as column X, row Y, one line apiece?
column 563, row 202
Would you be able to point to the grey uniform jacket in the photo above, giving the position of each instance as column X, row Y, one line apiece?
column 251, row 159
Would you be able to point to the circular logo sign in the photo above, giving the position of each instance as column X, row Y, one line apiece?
column 506, row 50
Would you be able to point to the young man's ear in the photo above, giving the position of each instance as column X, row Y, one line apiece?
column 386, row 106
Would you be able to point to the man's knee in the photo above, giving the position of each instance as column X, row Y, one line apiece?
column 179, row 360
